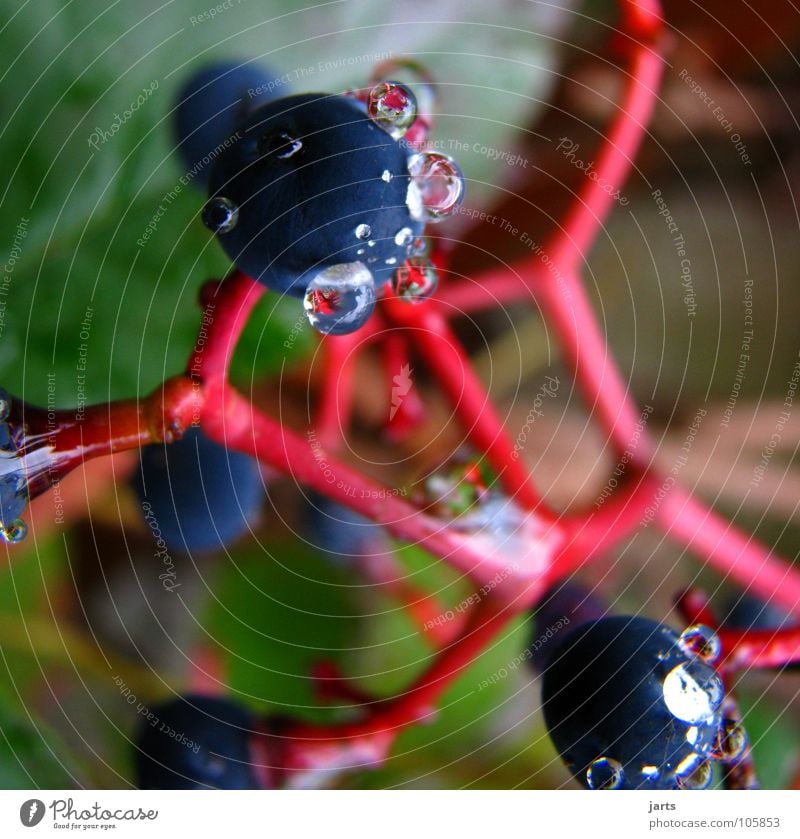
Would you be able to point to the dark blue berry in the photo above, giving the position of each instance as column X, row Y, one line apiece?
column 748, row 612
column 316, row 183
column 210, row 105
column 339, row 533
column 197, row 494
column 628, row 707
column 195, row 742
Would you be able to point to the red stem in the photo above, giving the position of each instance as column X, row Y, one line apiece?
column 745, row 649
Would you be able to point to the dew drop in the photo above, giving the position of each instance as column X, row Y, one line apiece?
column 436, row 187
column 731, row 740
column 699, row 776
column 392, row 260
column 403, row 236
column 415, row 280
column 605, row 773
column 14, row 532
column 386, row 176
column 361, row 251
column 281, row 144
column 700, row 642
column 340, row 299
column 220, row 215
column 371, row 243
column 363, row 231
column 693, row 692
column 393, row 107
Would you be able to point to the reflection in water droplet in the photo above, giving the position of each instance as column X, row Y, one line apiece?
column 340, row 299
column 731, row 739
column 363, row 231
column 419, row 247
column 650, row 771
column 220, row 215
column 605, row 773
column 693, row 692
column 393, row 107
column 702, row 642
column 403, row 236
column 281, row 144
column 14, row 532
column 698, row 776
column 436, row 187
column 415, row 280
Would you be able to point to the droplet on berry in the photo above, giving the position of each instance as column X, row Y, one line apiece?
column 702, row 642
column 731, row 739
column 415, row 76
column 403, row 237
column 696, row 776
column 604, row 773
column 281, row 144
column 393, row 107
column 363, row 231
column 340, row 299
column 415, row 280
column 693, row 692
column 436, row 187
column 220, row 215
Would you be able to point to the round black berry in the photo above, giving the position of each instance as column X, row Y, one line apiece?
column 196, row 494
column 317, row 184
column 630, row 704
column 195, row 742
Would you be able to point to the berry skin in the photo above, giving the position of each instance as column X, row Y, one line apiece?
column 195, row 742
column 316, row 183
column 209, row 107
column 748, row 612
column 628, row 708
column 200, row 496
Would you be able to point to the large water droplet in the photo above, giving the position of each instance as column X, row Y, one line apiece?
column 696, row 776
column 701, row 642
column 340, row 299
column 411, row 73
column 393, row 107
column 415, row 280
column 731, row 739
column 363, row 231
column 220, row 215
column 693, row 692
column 281, row 144
column 605, row 773
column 436, row 187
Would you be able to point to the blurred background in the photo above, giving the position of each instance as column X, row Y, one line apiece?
column 98, row 301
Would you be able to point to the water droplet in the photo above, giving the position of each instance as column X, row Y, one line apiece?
column 220, row 215
column 419, row 247
column 699, row 776
column 392, row 260
column 415, row 280
column 363, row 231
column 386, row 176
column 605, row 773
column 361, row 251
column 340, row 299
column 5, row 405
column 693, row 692
column 371, row 243
column 731, row 739
column 650, row 771
column 701, row 642
column 413, row 74
column 403, row 236
column 14, row 532
column 436, row 187
column 281, row 144
column 393, row 107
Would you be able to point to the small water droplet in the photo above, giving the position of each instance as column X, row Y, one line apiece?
column 731, row 739
column 393, row 107
column 436, row 187
column 392, row 260
column 386, row 176
column 371, row 243
column 14, row 532
column 363, row 231
column 650, row 771
column 403, row 236
column 693, row 692
column 281, row 144
column 699, row 776
column 415, row 280
column 220, row 215
column 701, row 642
column 361, row 251
column 340, row 299
column 605, row 773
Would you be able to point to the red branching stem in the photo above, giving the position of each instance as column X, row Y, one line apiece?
column 447, row 360
column 746, row 649
column 735, row 554
column 694, row 608
column 336, row 392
